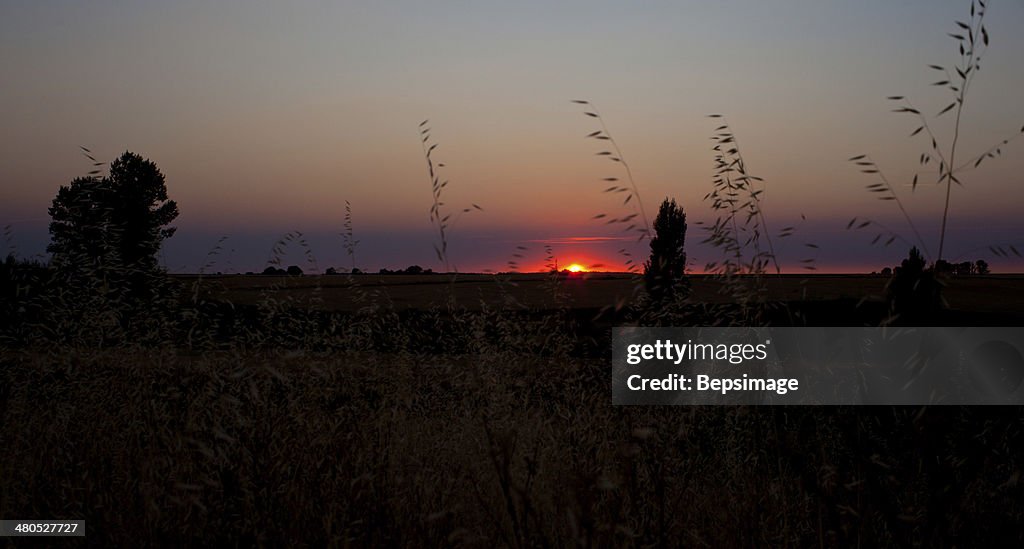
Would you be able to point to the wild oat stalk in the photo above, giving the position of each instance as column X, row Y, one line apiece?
column 885, row 191
column 96, row 164
column 349, row 236
column 972, row 40
column 632, row 192
column 438, row 216
column 741, row 232
column 513, row 263
column 553, row 284
column 742, row 222
column 9, row 241
column 211, row 260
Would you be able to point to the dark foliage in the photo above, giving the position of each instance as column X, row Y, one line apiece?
column 22, row 284
column 108, row 230
column 664, row 271
column 915, row 293
column 106, row 286
column 964, row 268
column 410, row 270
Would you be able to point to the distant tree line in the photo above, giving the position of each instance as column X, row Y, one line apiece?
column 410, row 270
column 295, row 270
column 292, row 270
column 979, row 267
column 333, row 271
column 964, row 268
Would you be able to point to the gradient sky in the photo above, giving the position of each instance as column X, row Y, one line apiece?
column 266, row 116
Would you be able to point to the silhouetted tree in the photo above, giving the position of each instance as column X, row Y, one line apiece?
column 663, row 272
column 274, row 271
column 414, row 270
column 981, row 267
column 112, row 227
column 914, row 291
column 294, row 270
column 964, row 268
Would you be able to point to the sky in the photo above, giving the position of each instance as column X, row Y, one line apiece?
column 266, row 117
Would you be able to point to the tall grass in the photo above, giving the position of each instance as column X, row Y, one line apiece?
column 323, row 449
column 957, row 79
column 349, row 238
column 440, row 217
column 742, row 224
column 630, row 193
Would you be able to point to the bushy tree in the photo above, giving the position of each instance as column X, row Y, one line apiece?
column 105, row 233
column 664, row 271
column 112, row 227
column 914, row 291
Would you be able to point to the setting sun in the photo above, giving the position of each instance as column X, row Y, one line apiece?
column 577, row 268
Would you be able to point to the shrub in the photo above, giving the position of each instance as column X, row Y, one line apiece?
column 914, row 292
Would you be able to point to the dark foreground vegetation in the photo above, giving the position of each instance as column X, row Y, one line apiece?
column 283, row 421
column 329, row 449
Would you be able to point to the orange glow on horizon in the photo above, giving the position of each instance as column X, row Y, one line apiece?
column 578, row 266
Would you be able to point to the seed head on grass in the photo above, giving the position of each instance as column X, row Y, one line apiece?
column 440, row 217
column 635, row 223
column 972, row 41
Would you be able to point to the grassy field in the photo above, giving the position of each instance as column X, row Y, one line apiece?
column 306, row 449
column 336, row 412
column 991, row 293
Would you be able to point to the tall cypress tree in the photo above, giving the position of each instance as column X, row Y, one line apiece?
column 664, row 271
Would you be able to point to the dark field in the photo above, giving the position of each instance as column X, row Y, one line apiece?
column 369, row 411
column 1003, row 294
column 497, row 449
